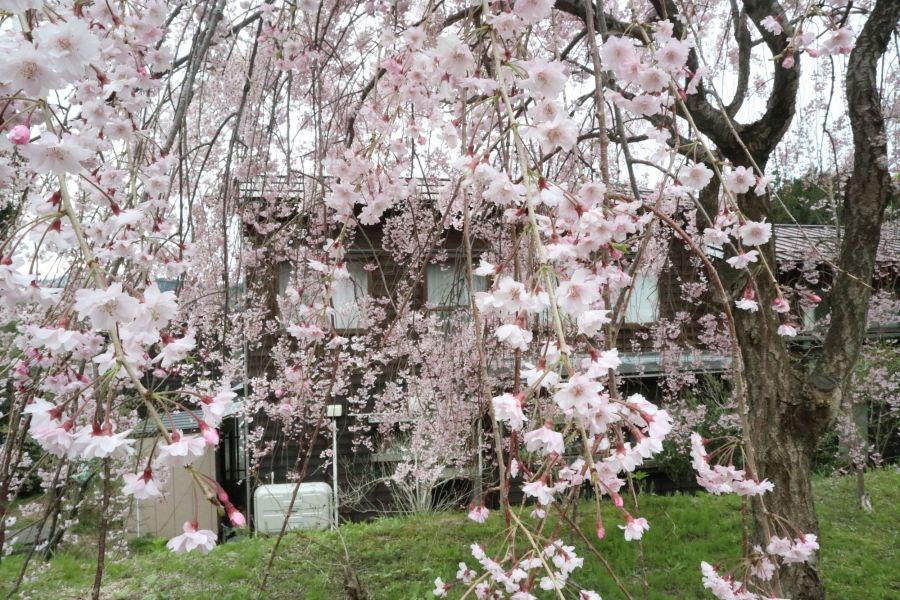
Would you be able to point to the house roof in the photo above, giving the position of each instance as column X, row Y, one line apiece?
column 187, row 421
column 821, row 243
column 182, row 420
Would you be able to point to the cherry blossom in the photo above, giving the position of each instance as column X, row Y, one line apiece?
column 739, row 180
column 591, row 322
column 478, row 513
column 545, row 79
column 634, row 528
column 772, row 25
column 51, row 154
column 203, row 540
column 106, row 308
column 216, row 407
column 142, row 486
column 577, row 294
column 182, row 450
column 508, row 409
column 540, row 491
column 753, row 233
column 513, row 336
column 532, row 11
column 19, row 135
column 546, row 440
column 743, row 259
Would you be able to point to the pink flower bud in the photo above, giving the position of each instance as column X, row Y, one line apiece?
column 19, row 135
column 235, row 516
column 210, row 434
column 788, row 62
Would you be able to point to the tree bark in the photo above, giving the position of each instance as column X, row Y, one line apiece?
column 791, row 406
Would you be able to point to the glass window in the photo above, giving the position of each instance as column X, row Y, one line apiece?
column 344, row 296
column 344, row 293
column 644, row 301
column 284, row 276
column 446, row 285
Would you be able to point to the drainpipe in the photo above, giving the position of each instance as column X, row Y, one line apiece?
column 333, row 411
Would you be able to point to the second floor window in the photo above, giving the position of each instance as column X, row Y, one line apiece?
column 643, row 305
column 446, row 286
column 345, row 294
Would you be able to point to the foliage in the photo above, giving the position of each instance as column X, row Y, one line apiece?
column 707, row 408
column 806, row 201
column 398, row 558
column 309, row 175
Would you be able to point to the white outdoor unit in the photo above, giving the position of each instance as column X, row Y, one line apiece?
column 311, row 510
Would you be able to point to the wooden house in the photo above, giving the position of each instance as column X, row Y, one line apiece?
column 656, row 296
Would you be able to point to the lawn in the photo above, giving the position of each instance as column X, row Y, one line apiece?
column 398, row 558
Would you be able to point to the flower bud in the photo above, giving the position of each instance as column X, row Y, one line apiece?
column 210, row 434
column 19, row 135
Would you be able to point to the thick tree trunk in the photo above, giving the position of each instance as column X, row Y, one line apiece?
column 785, row 427
column 790, row 407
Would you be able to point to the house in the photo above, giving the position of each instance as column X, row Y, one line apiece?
column 376, row 275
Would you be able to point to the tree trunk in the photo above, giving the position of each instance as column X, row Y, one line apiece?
column 784, row 430
column 790, row 407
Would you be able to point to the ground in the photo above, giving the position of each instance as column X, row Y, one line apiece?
column 398, row 558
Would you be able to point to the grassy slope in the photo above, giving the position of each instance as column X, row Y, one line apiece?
column 398, row 558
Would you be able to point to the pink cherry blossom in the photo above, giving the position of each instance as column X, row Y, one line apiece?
column 203, row 540
column 780, row 305
column 513, row 336
column 591, row 322
column 739, row 180
column 743, row 259
column 106, row 308
column 545, row 79
column 478, row 513
column 577, row 294
column 539, row 490
column 787, row 330
column 210, row 434
column 546, row 440
column 51, row 154
column 182, row 451
column 508, row 409
column 673, row 55
column 440, row 588
column 215, row 408
column 634, row 528
column 755, row 233
column 532, row 11
column 141, row 486
column 771, row 25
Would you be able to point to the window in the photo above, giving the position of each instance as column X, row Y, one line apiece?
column 285, row 270
column 446, row 286
column 344, row 293
column 344, row 296
column 644, row 301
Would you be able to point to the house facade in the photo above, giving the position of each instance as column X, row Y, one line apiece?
column 375, row 274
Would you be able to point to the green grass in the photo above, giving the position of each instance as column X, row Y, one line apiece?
column 398, row 558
